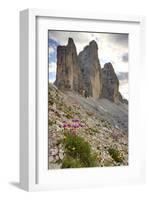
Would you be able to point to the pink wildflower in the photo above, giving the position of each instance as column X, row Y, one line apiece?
column 64, row 125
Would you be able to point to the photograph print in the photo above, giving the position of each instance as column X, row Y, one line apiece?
column 87, row 99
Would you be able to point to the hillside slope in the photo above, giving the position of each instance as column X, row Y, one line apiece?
column 103, row 127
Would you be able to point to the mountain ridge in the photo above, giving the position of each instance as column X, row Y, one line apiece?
column 83, row 74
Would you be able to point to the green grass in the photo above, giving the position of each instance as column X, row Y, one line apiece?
column 77, row 152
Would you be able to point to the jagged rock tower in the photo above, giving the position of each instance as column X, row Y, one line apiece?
column 83, row 74
column 90, row 70
column 67, row 67
column 110, row 84
column 80, row 73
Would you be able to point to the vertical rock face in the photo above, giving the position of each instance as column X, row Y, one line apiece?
column 110, row 83
column 90, row 70
column 83, row 74
column 67, row 67
column 80, row 73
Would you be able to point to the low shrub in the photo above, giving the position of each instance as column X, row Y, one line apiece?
column 115, row 154
column 79, row 150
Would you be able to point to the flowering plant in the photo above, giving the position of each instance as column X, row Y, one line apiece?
column 72, row 125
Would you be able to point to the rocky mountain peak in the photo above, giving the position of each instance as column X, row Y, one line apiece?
column 93, row 44
column 70, row 41
column 108, row 66
column 67, row 66
column 110, row 83
column 71, row 45
column 82, row 73
column 91, row 70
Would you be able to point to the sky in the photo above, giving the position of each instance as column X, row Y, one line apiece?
column 112, row 47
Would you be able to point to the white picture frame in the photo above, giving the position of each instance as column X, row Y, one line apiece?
column 34, row 173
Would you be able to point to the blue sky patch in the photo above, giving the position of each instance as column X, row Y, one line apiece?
column 52, row 44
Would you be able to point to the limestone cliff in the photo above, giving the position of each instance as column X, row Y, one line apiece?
column 67, row 67
column 82, row 73
column 91, row 70
column 110, row 84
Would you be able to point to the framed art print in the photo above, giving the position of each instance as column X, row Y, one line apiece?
column 79, row 100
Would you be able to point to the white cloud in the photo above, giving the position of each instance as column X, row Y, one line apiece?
column 111, row 46
column 52, row 79
column 112, row 51
column 80, row 39
column 124, row 90
column 52, row 72
column 52, row 67
column 51, row 50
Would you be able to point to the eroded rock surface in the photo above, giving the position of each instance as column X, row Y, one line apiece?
column 91, row 70
column 82, row 73
column 110, row 84
column 67, row 67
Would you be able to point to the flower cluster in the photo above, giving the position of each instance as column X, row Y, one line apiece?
column 73, row 125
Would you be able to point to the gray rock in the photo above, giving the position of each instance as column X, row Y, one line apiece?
column 91, row 70
column 61, row 155
column 67, row 67
column 56, row 157
column 80, row 73
column 83, row 74
column 51, row 158
column 110, row 84
column 53, row 152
